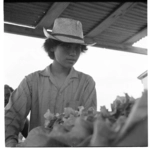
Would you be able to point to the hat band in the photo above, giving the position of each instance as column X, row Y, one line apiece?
column 65, row 35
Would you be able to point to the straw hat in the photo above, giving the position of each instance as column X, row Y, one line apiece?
column 67, row 30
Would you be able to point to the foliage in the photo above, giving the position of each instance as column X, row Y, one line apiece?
column 86, row 127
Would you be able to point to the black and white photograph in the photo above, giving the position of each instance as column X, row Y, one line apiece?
column 75, row 74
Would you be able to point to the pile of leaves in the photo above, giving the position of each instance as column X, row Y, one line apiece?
column 120, row 110
column 91, row 127
column 83, row 127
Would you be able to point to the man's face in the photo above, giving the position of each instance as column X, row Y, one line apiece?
column 67, row 54
column 7, row 95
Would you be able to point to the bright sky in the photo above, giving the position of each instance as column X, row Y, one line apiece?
column 114, row 72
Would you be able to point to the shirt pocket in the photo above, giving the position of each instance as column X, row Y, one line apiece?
column 74, row 104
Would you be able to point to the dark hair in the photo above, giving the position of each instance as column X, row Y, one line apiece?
column 7, row 92
column 50, row 44
column 8, row 87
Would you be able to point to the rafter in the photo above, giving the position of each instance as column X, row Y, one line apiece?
column 54, row 12
column 135, row 49
column 38, row 33
column 121, row 47
column 111, row 19
column 116, row 46
column 130, row 49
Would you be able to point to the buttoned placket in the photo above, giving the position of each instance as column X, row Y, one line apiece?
column 68, row 80
column 60, row 91
column 51, row 78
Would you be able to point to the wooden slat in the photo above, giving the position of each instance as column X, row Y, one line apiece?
column 108, row 4
column 93, row 7
column 111, row 19
column 135, row 49
column 80, row 15
column 27, row 5
column 135, row 16
column 81, row 10
column 130, row 49
column 129, row 19
column 54, row 12
column 8, row 28
column 129, row 26
column 137, row 37
column 100, row 5
column 122, row 29
column 115, row 34
column 140, row 10
column 134, row 24
column 113, row 38
column 143, row 5
column 116, row 46
column 23, row 8
column 139, row 14
column 82, row 19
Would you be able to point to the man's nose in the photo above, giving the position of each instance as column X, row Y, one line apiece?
column 72, row 52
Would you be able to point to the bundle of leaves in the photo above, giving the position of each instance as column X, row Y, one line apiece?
column 120, row 107
column 82, row 127
column 120, row 110
column 75, row 126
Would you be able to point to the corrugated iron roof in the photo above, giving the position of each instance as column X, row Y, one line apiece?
column 90, row 14
column 25, row 13
column 114, row 25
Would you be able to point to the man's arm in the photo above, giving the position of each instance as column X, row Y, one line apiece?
column 16, row 111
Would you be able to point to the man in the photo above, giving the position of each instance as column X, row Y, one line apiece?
column 58, row 86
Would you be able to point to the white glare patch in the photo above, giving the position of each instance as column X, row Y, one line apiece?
column 143, row 43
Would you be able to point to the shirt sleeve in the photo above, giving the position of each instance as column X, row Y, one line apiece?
column 90, row 96
column 16, row 112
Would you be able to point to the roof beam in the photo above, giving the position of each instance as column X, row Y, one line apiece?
column 130, row 49
column 137, row 37
column 111, row 19
column 53, row 13
column 9, row 28
column 135, row 49
column 117, row 46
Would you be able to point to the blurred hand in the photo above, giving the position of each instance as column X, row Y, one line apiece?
column 38, row 136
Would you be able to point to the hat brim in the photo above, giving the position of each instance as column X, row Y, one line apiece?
column 66, row 39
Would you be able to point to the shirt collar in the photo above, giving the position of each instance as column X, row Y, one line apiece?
column 47, row 72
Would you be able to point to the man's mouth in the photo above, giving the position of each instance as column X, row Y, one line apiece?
column 71, row 60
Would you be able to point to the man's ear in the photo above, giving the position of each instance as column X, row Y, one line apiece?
column 53, row 49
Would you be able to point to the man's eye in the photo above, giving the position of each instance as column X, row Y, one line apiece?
column 67, row 46
column 77, row 49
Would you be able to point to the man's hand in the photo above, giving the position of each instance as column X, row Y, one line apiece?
column 38, row 136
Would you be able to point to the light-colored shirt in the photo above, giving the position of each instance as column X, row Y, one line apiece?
column 38, row 92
